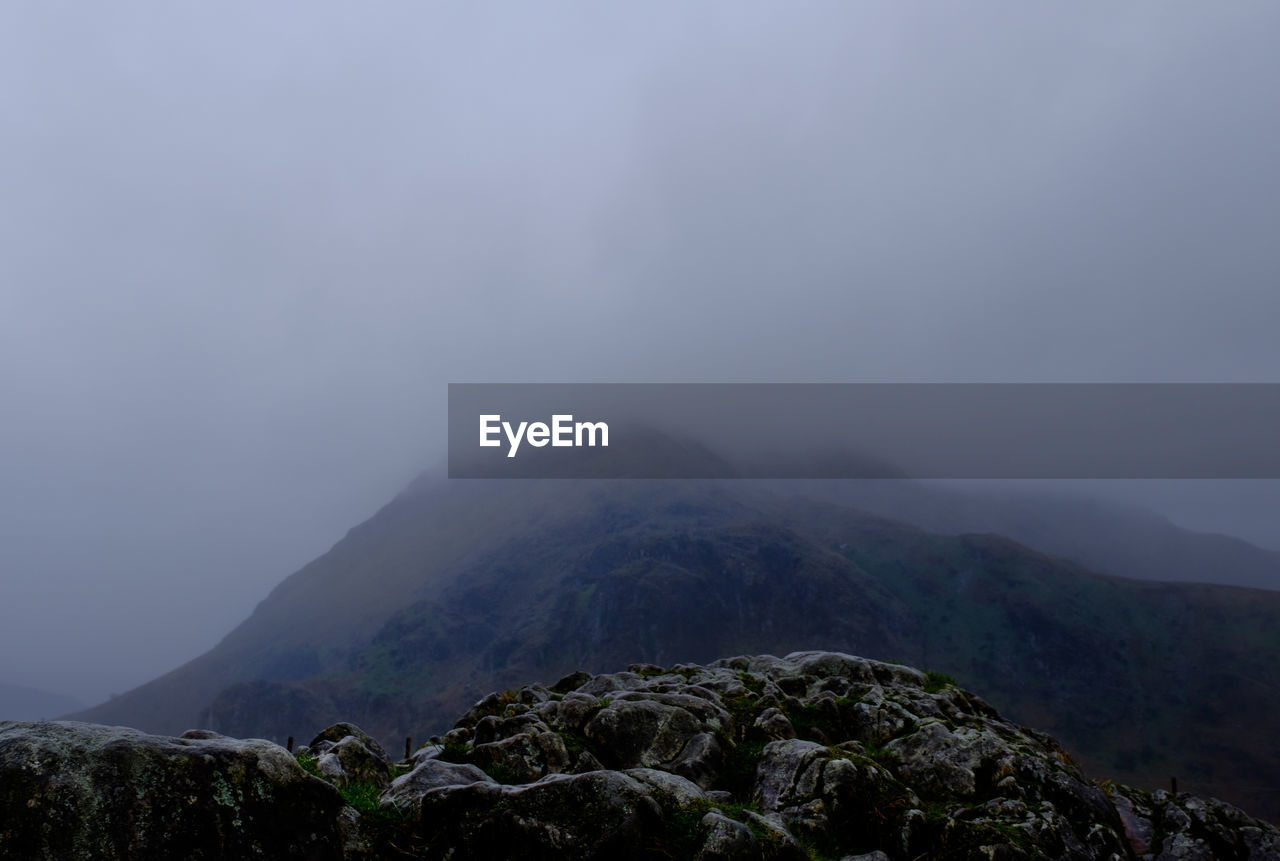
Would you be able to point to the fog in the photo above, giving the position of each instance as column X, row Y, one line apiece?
column 244, row 247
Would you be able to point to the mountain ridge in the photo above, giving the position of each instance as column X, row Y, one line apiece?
column 481, row 584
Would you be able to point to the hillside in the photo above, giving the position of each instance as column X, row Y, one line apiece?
column 1108, row 537
column 458, row 588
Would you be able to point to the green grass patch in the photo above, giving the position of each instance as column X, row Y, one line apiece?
column 362, row 796
column 935, row 681
column 309, row 764
column 453, row 751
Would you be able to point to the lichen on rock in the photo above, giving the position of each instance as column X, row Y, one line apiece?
column 815, row 755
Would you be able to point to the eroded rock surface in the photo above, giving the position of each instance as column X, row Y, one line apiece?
column 72, row 791
column 815, row 755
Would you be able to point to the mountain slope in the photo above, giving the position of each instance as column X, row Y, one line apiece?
column 457, row 589
column 1106, row 536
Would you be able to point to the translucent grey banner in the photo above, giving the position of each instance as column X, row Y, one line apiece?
column 891, row 430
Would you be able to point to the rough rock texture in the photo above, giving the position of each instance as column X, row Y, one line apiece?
column 341, row 731
column 813, row 755
column 349, row 762
column 816, row 755
column 73, row 791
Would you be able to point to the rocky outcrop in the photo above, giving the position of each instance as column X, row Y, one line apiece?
column 72, row 791
column 816, row 755
column 813, row 755
column 346, row 756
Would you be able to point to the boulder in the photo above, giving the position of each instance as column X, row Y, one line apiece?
column 336, row 733
column 349, row 761
column 406, row 791
column 72, row 791
column 602, row 814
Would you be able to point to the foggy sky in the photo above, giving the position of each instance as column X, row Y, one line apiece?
column 244, row 246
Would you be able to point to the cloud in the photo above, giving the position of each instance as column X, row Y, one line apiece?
column 246, row 245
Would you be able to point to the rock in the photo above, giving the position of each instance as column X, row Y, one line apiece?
column 571, row 682
column 700, row 760
column 1159, row 825
column 349, row 762
column 603, row 814
column 522, row 758
column 671, row 790
column 338, row 732
column 745, row 758
column 774, row 724
column 406, row 791
column 646, row 733
column 201, row 734
column 726, row 839
column 72, row 791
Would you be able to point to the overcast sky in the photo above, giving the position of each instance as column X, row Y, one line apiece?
column 244, row 246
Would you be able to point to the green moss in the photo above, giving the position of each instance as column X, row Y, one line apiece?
column 503, row 773
column 741, row 708
column 881, row 754
column 574, row 744
column 825, row 721
column 740, row 764
column 818, row 848
column 684, row 834
column 752, row 682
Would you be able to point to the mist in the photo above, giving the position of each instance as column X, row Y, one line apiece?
column 246, row 246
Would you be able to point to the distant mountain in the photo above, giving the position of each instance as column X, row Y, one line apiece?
column 1109, row 537
column 22, row 703
column 456, row 589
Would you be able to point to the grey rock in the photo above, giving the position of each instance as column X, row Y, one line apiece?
column 71, row 791
column 671, row 790
column 632, row 733
column 775, row 724
column 726, row 839
column 602, row 814
column 406, row 791
column 339, row 731
column 745, row 758
column 349, row 762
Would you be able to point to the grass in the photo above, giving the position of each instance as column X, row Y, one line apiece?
column 386, row 829
column 362, row 796
column 309, row 764
column 453, row 751
column 935, row 681
column 684, row 826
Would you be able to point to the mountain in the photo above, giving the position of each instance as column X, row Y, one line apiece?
column 1107, row 536
column 753, row 758
column 22, row 703
column 458, row 588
